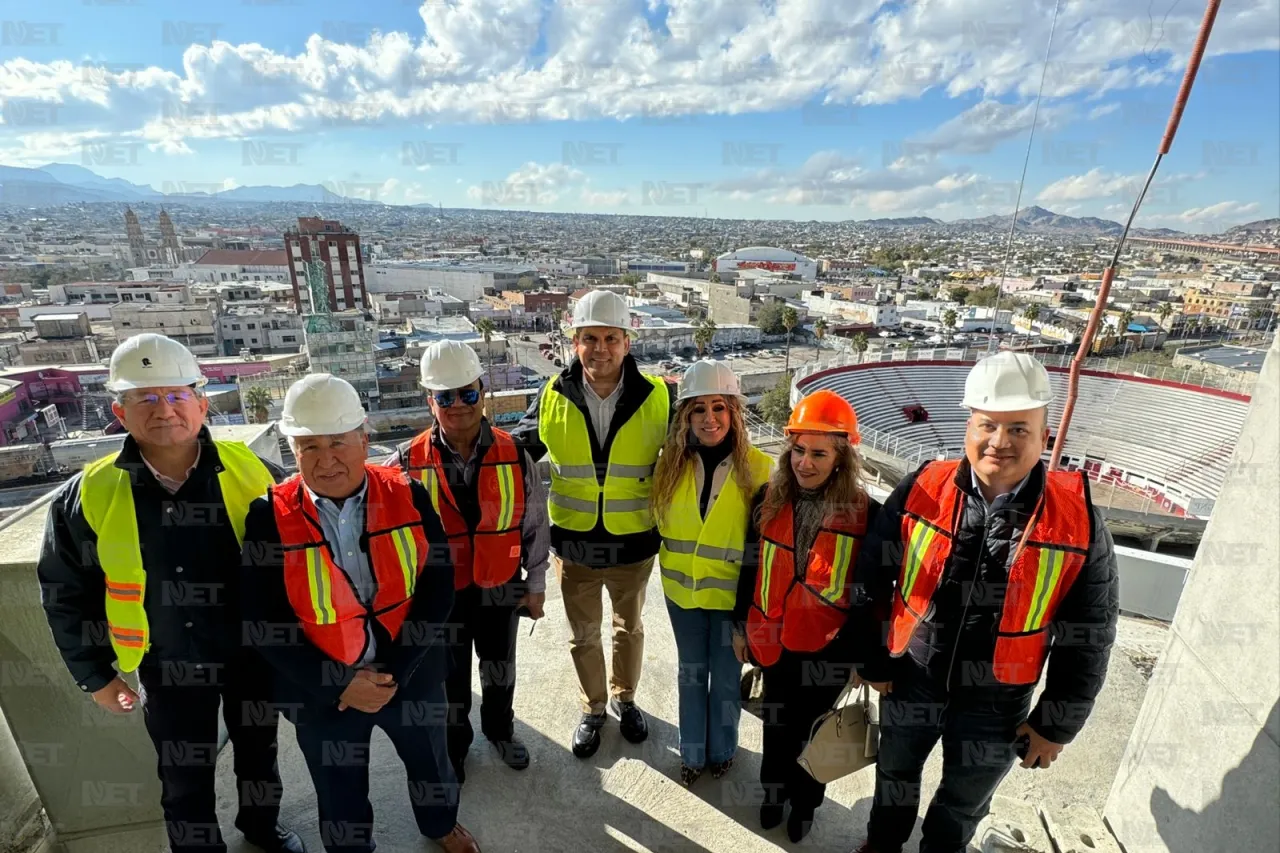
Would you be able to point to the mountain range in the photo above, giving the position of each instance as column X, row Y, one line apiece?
column 65, row 183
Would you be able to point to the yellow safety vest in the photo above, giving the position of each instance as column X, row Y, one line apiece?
column 575, row 496
column 106, row 497
column 702, row 558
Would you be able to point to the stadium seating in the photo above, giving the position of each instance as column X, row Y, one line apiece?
column 1163, row 440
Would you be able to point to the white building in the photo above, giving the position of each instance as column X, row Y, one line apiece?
column 218, row 265
column 766, row 258
column 108, row 292
column 881, row 316
column 195, row 326
column 260, row 328
column 467, row 280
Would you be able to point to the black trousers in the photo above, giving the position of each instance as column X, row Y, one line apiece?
column 976, row 726
column 798, row 689
column 335, row 745
column 180, row 709
column 485, row 619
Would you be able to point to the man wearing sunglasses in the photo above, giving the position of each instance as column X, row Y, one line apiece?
column 139, row 575
column 491, row 501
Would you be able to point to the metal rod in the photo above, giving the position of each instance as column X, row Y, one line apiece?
column 1100, row 306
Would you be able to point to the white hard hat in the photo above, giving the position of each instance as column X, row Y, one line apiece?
column 601, row 308
column 709, row 377
column 320, row 404
column 152, row 361
column 1007, row 382
column 449, row 364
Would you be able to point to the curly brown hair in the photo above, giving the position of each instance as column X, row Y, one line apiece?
column 844, row 494
column 678, row 452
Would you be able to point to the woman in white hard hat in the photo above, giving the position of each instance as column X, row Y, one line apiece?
column 707, row 479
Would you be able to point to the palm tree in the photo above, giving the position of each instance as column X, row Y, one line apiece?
column 949, row 322
column 1166, row 309
column 859, row 342
column 1122, row 324
column 820, row 331
column 790, row 319
column 257, row 402
column 704, row 331
column 486, row 329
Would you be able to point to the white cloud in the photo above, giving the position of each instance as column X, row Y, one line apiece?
column 512, row 61
column 604, row 198
column 1098, row 184
column 1103, row 110
column 1210, row 219
column 533, row 184
column 985, row 125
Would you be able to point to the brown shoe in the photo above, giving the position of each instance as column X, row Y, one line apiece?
column 458, row 841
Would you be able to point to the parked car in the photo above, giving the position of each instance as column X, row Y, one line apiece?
column 885, row 333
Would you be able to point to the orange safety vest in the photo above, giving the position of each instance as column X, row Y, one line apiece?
column 1045, row 565
column 489, row 554
column 323, row 597
column 802, row 613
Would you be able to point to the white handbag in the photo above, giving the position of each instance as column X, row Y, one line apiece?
column 844, row 739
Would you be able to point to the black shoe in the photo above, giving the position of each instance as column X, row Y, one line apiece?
column 277, row 840
column 720, row 768
column 689, row 775
column 459, row 768
column 513, row 753
column 586, row 738
column 799, row 822
column 633, row 726
column 770, row 815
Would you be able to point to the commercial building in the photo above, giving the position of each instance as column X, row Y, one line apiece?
column 259, row 328
column 61, row 339
column 195, row 326
column 110, row 292
column 338, row 248
column 219, row 265
column 540, row 307
column 655, row 265
column 768, row 259
column 466, row 280
column 1234, row 311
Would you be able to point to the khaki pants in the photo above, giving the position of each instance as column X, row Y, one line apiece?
column 584, row 607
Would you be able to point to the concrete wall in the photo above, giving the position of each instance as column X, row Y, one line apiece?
column 1202, row 769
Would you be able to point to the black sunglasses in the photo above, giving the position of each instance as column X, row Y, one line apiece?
column 469, row 397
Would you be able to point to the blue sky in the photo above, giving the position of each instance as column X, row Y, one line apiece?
column 800, row 109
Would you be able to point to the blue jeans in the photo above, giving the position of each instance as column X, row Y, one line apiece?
column 709, row 684
column 976, row 728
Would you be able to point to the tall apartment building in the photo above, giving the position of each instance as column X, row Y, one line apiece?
column 338, row 248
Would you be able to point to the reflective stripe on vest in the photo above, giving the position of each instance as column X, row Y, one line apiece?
column 490, row 554
column 702, row 558
column 1056, row 549
column 106, row 498
column 576, row 494
column 331, row 614
column 802, row 613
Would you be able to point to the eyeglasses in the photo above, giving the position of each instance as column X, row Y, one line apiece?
column 173, row 398
column 469, row 397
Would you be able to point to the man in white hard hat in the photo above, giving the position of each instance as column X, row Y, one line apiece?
column 491, row 501
column 977, row 573
column 351, row 558
column 134, row 570
column 602, row 422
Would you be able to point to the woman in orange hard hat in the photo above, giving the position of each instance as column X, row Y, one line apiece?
column 794, row 600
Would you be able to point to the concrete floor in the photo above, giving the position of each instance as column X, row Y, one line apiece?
column 629, row 798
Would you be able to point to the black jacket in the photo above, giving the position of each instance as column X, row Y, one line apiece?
column 597, row 548
column 845, row 647
column 956, row 645
column 272, row 627
column 189, row 552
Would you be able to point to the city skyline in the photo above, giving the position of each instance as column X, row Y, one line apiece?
column 805, row 110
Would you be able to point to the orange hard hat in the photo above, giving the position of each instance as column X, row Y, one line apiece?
column 824, row 411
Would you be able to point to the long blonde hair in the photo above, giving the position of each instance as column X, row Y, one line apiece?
column 678, row 452
column 843, row 494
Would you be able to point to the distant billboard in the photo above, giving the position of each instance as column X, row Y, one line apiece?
column 771, row 266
